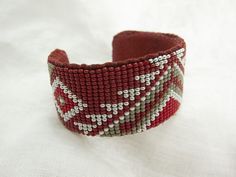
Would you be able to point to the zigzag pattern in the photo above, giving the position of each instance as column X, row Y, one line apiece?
column 148, row 100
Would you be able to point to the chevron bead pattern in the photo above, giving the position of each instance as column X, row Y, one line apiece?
column 120, row 100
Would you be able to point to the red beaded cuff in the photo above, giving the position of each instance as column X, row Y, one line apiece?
column 141, row 88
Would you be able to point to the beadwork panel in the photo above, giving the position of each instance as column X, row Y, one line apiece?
column 119, row 100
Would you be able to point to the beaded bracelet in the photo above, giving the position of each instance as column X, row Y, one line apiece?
column 141, row 88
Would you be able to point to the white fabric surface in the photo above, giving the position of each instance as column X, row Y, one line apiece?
column 198, row 141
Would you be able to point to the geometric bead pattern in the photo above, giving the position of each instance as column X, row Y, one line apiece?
column 119, row 100
column 67, row 103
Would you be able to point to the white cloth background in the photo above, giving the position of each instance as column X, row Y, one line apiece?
column 198, row 141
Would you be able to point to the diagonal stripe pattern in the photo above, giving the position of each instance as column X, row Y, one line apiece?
column 110, row 104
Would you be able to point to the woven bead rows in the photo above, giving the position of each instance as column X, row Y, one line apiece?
column 119, row 100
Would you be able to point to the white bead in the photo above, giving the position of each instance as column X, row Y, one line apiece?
column 132, row 109
column 126, row 91
column 120, row 104
column 104, row 115
column 126, row 95
column 101, row 132
column 131, row 90
column 144, row 127
column 132, row 98
column 150, row 60
column 142, row 76
column 152, row 77
column 126, row 103
column 142, row 88
column 142, row 80
column 116, row 121
column 79, row 100
column 122, row 117
column 126, row 113
column 114, row 105
column 115, row 109
column 119, row 92
column 93, row 120
column 155, row 59
column 120, row 107
column 157, row 72
column 111, row 125
column 102, row 105
column 157, row 64
column 65, row 91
